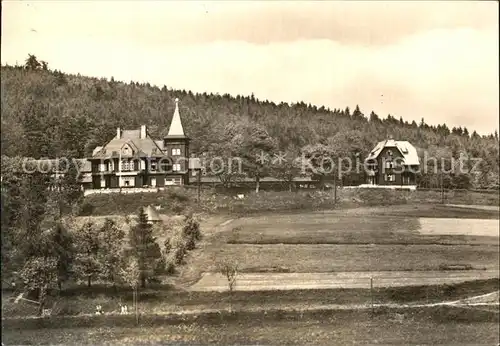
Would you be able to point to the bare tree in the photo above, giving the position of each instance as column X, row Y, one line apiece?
column 230, row 270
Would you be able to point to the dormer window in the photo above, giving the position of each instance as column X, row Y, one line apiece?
column 126, row 150
column 389, row 152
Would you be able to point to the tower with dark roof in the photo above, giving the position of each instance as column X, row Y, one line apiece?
column 176, row 146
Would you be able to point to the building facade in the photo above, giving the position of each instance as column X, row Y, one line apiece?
column 393, row 163
column 132, row 159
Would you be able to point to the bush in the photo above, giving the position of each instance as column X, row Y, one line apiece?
column 191, row 232
column 169, row 267
column 179, row 253
column 86, row 209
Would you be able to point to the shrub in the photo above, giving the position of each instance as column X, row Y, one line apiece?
column 191, row 232
column 86, row 209
column 169, row 267
column 179, row 253
column 176, row 246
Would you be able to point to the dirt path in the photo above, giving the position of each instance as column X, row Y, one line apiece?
column 473, row 206
column 486, row 302
column 290, row 281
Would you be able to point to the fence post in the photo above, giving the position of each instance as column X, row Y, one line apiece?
column 199, row 185
column 371, row 293
column 442, row 189
column 334, row 189
column 136, row 308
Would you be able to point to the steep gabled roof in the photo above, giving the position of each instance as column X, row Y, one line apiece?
column 176, row 130
column 142, row 147
column 409, row 152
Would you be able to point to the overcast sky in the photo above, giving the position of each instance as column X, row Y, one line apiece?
column 436, row 60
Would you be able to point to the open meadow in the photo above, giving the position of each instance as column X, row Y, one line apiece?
column 416, row 240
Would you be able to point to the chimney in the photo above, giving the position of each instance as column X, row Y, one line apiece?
column 118, row 133
column 143, row 131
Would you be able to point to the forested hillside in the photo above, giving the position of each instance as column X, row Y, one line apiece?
column 46, row 113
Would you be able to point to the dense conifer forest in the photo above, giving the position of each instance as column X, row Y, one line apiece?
column 47, row 113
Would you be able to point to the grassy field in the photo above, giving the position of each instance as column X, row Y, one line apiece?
column 451, row 326
column 361, row 239
column 324, row 258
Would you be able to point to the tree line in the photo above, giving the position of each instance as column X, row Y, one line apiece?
column 46, row 113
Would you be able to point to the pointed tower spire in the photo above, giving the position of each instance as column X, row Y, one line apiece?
column 176, row 128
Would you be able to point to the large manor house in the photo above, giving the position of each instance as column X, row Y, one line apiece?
column 133, row 161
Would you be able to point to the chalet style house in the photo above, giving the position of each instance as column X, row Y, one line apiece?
column 132, row 159
column 392, row 163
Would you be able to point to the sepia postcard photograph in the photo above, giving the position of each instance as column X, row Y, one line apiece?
column 250, row 172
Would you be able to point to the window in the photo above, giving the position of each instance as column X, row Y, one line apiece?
column 389, row 152
column 390, row 177
column 176, row 151
column 125, row 150
column 102, row 167
column 126, row 166
column 177, row 181
column 164, row 167
column 103, row 182
column 153, row 166
column 389, row 164
column 176, row 167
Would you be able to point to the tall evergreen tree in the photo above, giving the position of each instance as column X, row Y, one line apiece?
column 144, row 247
